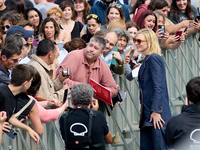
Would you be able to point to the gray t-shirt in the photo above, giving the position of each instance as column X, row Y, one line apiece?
column 43, row 8
column 183, row 16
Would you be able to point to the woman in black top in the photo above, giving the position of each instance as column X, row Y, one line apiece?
column 75, row 27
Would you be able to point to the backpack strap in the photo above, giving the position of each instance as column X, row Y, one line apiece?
column 71, row 110
column 91, row 113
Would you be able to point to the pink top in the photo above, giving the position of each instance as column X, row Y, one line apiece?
column 138, row 12
column 80, row 72
column 46, row 115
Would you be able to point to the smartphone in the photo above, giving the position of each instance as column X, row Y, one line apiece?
column 185, row 29
column 12, row 134
column 131, row 53
column 162, row 27
column 197, row 18
column 179, row 33
column 65, row 96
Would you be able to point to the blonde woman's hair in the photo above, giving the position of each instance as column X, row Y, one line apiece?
column 54, row 10
column 158, row 15
column 118, row 23
column 152, row 41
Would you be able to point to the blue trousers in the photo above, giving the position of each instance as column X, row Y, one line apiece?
column 153, row 139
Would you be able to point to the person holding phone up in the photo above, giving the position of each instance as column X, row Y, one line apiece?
column 183, row 10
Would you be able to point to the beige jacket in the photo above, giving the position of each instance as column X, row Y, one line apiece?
column 50, row 89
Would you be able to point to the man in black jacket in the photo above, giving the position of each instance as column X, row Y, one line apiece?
column 183, row 131
column 84, row 128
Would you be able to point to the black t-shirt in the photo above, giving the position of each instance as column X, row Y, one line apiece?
column 22, row 100
column 99, row 126
column 87, row 37
column 4, row 11
column 7, row 100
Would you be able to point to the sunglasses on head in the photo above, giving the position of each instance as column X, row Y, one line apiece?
column 92, row 16
column 14, row 60
column 139, row 41
column 115, row 5
column 4, row 27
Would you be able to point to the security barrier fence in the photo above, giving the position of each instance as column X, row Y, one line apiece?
column 180, row 65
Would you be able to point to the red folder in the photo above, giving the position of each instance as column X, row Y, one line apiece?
column 101, row 92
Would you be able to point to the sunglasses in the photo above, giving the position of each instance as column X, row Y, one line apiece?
column 115, row 5
column 4, row 27
column 139, row 41
column 92, row 16
column 14, row 60
column 53, row 43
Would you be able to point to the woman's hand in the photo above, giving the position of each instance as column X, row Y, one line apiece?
column 117, row 56
column 196, row 25
column 157, row 120
column 172, row 39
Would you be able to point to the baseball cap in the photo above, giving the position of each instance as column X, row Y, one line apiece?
column 15, row 28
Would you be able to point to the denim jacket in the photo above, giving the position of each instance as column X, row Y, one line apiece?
column 153, row 90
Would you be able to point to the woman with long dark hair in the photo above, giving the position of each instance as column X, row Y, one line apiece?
column 183, row 10
column 32, row 14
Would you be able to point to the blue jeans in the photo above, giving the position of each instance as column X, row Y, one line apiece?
column 153, row 139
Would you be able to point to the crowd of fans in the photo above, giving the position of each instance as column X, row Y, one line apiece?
column 94, row 39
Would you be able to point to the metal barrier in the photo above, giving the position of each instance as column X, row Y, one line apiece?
column 181, row 65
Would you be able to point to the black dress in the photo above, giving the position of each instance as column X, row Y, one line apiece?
column 78, row 26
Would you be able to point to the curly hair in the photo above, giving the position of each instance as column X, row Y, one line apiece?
column 54, row 10
column 86, row 11
column 12, row 17
column 82, row 94
column 176, row 11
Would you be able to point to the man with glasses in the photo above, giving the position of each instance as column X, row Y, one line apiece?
column 10, row 56
column 25, row 34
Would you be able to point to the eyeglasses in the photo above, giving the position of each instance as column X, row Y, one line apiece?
column 26, row 45
column 93, row 16
column 115, row 5
column 14, row 60
column 4, row 27
column 57, row 19
column 139, row 41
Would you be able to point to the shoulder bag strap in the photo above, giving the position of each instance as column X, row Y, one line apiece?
column 16, row 115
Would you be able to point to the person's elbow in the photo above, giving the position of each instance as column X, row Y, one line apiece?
column 40, row 130
column 108, row 138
